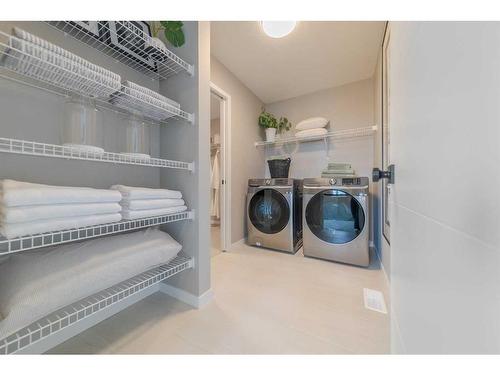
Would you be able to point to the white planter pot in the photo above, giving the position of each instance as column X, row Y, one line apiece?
column 270, row 134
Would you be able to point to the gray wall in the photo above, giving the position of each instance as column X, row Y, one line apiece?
column 32, row 114
column 183, row 141
column 246, row 160
column 347, row 106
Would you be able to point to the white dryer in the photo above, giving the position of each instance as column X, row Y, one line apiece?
column 336, row 219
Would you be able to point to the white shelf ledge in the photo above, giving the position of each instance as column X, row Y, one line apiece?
column 339, row 134
column 19, row 146
column 39, row 240
column 52, row 327
column 137, row 52
column 64, row 76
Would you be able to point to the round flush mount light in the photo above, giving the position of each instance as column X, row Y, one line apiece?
column 278, row 29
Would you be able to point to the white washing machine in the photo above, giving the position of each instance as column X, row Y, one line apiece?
column 274, row 213
column 336, row 219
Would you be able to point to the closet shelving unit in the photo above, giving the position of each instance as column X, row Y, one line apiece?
column 35, row 241
column 336, row 135
column 38, row 336
column 19, row 146
column 72, row 319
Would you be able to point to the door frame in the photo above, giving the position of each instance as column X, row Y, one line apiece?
column 225, row 130
column 385, row 122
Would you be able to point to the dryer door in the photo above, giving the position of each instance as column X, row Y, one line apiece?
column 269, row 211
column 335, row 216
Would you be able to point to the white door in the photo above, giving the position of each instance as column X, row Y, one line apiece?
column 444, row 115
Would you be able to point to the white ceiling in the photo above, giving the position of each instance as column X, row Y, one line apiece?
column 315, row 56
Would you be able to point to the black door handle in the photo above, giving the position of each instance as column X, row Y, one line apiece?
column 377, row 174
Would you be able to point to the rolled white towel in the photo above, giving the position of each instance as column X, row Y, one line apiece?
column 148, row 204
column 312, row 123
column 131, row 193
column 311, row 132
column 17, row 193
column 13, row 230
column 138, row 214
column 22, row 214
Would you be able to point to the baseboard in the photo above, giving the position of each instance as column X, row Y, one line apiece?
column 239, row 242
column 188, row 298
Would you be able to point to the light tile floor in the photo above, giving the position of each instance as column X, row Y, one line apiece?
column 265, row 302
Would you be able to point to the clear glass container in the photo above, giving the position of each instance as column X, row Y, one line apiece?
column 137, row 138
column 82, row 125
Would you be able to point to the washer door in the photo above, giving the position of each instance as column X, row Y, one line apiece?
column 335, row 216
column 269, row 211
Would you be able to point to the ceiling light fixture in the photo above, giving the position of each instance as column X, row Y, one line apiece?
column 278, row 29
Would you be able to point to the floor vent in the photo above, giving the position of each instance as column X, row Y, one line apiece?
column 374, row 300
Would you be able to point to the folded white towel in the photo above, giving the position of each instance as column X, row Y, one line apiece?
column 148, row 204
column 312, row 123
column 137, row 214
column 22, row 214
column 311, row 132
column 17, row 193
column 130, row 192
column 10, row 231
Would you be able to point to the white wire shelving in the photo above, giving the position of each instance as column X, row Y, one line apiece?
column 127, row 43
column 19, row 146
column 35, row 241
column 86, row 308
column 27, row 63
column 338, row 134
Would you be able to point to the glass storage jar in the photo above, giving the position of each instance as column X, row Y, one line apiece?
column 82, row 125
column 137, row 138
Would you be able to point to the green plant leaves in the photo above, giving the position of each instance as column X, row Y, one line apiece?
column 173, row 32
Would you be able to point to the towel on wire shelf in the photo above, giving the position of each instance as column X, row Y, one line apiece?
column 21, row 214
column 311, row 132
column 13, row 230
column 131, row 193
column 139, row 214
column 18, row 193
column 312, row 123
column 148, row 204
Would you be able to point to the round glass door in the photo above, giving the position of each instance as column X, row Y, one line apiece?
column 335, row 216
column 269, row 211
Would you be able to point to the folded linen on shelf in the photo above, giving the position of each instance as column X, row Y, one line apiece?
column 131, row 192
column 21, row 214
column 339, row 166
column 148, row 204
column 331, row 175
column 18, row 193
column 36, row 283
column 138, row 214
column 13, row 230
column 311, row 132
column 312, row 123
column 38, row 58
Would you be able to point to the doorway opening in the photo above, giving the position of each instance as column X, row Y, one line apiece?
column 220, row 213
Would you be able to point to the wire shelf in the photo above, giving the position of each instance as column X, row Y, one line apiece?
column 127, row 43
column 18, row 146
column 65, row 73
column 70, row 315
column 39, row 240
column 339, row 134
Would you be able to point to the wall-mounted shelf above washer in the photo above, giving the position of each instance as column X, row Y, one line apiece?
column 19, row 146
column 338, row 134
column 127, row 43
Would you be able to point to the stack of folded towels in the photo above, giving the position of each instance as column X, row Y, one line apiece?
column 139, row 202
column 27, row 208
column 314, row 126
column 338, row 170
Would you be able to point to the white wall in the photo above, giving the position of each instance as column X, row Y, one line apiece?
column 348, row 106
column 445, row 232
column 246, row 161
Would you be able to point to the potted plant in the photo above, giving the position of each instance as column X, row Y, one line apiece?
column 272, row 125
